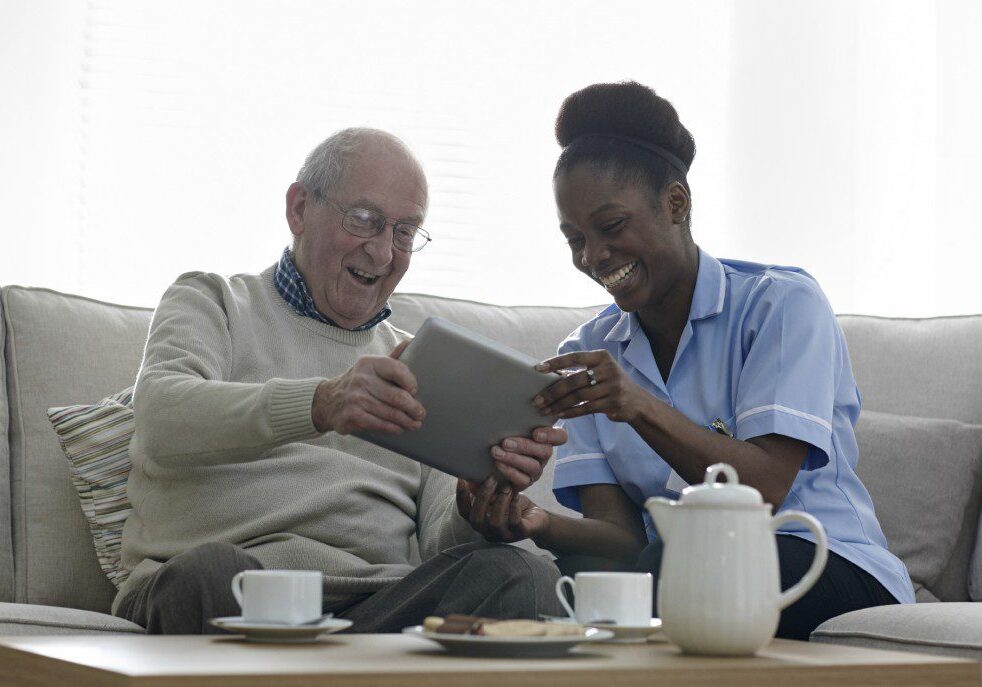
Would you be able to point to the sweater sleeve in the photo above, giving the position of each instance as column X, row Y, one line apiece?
column 186, row 411
column 438, row 524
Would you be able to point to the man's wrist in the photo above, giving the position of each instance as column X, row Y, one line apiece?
column 320, row 407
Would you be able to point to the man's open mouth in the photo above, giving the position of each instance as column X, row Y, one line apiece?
column 364, row 277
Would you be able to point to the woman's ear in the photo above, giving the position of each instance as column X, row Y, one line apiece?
column 679, row 203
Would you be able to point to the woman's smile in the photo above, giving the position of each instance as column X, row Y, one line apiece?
column 615, row 280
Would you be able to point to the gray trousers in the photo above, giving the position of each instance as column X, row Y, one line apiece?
column 493, row 580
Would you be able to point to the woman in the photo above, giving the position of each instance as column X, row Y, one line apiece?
column 698, row 361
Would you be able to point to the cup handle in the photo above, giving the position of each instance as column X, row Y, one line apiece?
column 565, row 579
column 795, row 592
column 237, row 587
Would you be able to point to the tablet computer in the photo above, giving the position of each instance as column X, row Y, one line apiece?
column 476, row 392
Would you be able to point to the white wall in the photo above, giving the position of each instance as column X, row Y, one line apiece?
column 142, row 139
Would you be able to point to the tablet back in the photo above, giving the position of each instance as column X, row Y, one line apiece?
column 475, row 391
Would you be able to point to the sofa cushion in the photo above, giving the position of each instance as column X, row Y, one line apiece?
column 61, row 349
column 32, row 619
column 925, row 478
column 951, row 629
column 96, row 442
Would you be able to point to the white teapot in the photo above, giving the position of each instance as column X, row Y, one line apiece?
column 719, row 589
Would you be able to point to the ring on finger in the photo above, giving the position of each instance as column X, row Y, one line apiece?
column 593, row 376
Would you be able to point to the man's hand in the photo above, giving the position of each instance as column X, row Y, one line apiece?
column 500, row 516
column 521, row 460
column 377, row 394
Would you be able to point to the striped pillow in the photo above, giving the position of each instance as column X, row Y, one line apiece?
column 96, row 442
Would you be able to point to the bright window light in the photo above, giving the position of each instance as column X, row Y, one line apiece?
column 146, row 139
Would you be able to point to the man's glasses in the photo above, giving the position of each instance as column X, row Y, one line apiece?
column 365, row 223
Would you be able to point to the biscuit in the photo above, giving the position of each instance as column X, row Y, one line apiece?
column 515, row 628
column 457, row 624
column 432, row 623
column 563, row 630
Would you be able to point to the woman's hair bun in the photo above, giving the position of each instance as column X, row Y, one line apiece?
column 628, row 109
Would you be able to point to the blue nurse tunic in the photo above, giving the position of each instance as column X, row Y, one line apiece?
column 763, row 352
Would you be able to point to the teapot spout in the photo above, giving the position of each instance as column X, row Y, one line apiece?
column 664, row 513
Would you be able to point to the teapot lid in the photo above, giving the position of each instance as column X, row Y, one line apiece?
column 711, row 492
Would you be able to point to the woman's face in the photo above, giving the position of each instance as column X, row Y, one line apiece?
column 621, row 237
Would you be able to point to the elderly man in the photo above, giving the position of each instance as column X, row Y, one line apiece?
column 249, row 389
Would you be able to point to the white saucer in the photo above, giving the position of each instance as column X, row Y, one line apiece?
column 510, row 647
column 634, row 633
column 275, row 633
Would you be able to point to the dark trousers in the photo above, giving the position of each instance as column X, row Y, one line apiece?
column 842, row 587
column 479, row 578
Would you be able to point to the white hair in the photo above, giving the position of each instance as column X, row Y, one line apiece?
column 324, row 167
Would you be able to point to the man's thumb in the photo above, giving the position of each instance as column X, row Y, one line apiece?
column 397, row 351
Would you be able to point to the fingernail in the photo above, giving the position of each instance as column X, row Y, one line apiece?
column 509, row 444
column 540, row 437
column 506, row 490
column 489, row 483
column 538, row 401
column 497, row 452
column 542, row 367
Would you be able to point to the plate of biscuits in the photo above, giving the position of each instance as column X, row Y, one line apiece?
column 468, row 635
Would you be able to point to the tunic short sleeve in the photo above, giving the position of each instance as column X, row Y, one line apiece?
column 793, row 350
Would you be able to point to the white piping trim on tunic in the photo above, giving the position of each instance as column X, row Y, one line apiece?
column 582, row 456
column 722, row 288
column 784, row 409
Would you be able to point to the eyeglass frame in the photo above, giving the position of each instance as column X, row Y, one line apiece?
column 346, row 212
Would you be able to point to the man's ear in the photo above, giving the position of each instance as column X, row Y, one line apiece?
column 296, row 201
column 679, row 203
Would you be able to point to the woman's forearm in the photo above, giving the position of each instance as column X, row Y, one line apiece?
column 690, row 449
column 565, row 535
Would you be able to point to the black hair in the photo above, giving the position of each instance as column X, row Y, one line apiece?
column 593, row 123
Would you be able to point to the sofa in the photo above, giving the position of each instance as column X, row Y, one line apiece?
column 920, row 453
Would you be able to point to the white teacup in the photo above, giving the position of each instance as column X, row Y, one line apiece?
column 290, row 597
column 619, row 597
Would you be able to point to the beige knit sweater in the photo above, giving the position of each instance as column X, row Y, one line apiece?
column 225, row 449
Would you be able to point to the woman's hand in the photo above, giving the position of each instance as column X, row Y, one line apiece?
column 600, row 386
column 521, row 460
column 500, row 516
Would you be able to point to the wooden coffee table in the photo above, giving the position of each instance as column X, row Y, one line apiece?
column 391, row 659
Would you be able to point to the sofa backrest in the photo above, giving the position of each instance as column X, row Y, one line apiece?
column 61, row 349
column 6, row 507
column 928, row 367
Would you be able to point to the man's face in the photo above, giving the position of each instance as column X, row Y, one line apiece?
column 350, row 278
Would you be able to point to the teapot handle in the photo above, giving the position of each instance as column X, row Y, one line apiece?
column 792, row 594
